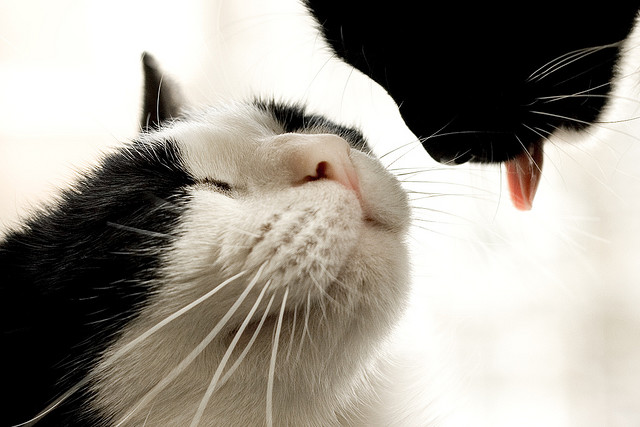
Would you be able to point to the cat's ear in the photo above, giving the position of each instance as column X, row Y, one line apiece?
column 161, row 100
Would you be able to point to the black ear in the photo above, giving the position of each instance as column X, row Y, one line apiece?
column 161, row 98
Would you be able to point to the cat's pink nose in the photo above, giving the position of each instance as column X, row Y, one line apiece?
column 325, row 157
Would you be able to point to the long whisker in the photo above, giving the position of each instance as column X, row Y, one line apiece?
column 175, row 372
column 565, row 60
column 590, row 173
column 127, row 348
column 414, row 144
column 225, row 358
column 293, row 332
column 542, row 113
column 272, row 364
column 305, row 329
column 584, row 94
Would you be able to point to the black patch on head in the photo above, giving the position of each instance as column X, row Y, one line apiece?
column 159, row 103
column 294, row 118
column 461, row 73
column 77, row 272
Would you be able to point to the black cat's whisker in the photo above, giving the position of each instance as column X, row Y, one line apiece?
column 562, row 58
column 565, row 60
column 413, row 171
column 572, row 119
column 422, row 195
column 293, row 332
column 417, row 141
column 582, row 93
column 524, row 147
column 555, row 98
column 433, row 221
column 541, row 133
column 186, row 362
column 439, row 211
column 225, row 358
column 272, row 362
column 587, row 152
column 408, row 173
column 426, row 195
column 447, row 183
column 400, row 147
column 411, row 146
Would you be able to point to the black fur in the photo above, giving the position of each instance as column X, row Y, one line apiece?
column 294, row 118
column 460, row 71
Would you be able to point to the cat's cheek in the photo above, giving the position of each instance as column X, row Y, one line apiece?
column 384, row 201
column 381, row 266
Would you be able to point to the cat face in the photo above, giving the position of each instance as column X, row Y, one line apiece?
column 294, row 239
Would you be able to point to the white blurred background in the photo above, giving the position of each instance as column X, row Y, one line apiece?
column 517, row 319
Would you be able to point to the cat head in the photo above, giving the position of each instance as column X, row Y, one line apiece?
column 279, row 278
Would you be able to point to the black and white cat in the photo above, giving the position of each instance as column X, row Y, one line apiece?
column 517, row 297
column 241, row 265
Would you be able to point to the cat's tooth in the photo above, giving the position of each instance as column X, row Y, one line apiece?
column 523, row 176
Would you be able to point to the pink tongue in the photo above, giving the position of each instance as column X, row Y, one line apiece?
column 523, row 176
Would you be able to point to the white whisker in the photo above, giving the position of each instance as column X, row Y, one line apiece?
column 542, row 113
column 249, row 344
column 565, row 60
column 127, row 348
column 293, row 332
column 147, row 233
column 272, row 364
column 225, row 358
column 175, row 372
column 305, row 329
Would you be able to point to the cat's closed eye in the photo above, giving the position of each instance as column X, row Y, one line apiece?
column 218, row 185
